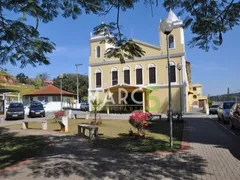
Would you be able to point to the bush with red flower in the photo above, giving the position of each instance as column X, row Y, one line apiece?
column 139, row 120
column 59, row 114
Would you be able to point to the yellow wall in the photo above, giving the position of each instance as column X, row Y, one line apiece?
column 161, row 93
column 156, row 100
column 161, row 68
column 177, row 39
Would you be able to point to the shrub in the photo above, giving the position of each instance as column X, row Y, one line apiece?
column 139, row 120
column 59, row 114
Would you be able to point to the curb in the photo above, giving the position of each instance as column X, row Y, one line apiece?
column 10, row 168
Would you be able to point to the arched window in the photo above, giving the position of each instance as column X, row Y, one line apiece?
column 126, row 72
column 114, row 72
column 194, row 97
column 171, row 41
column 98, row 74
column 173, row 72
column 98, row 53
column 194, row 88
column 139, row 74
column 152, row 73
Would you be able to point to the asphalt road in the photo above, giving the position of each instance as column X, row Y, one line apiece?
column 3, row 122
column 235, row 132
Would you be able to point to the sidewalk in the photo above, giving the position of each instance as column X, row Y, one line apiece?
column 213, row 154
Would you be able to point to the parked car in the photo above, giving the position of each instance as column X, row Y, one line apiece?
column 36, row 110
column 213, row 109
column 84, row 106
column 224, row 110
column 234, row 117
column 15, row 110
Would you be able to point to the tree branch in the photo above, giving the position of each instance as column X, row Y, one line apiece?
column 118, row 17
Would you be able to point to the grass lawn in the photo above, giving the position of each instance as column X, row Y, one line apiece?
column 14, row 149
column 114, row 134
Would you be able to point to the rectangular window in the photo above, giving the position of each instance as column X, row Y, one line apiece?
column 139, row 78
column 152, row 75
column 127, row 76
column 43, row 99
column 98, row 80
column 173, row 73
column 56, row 98
column 114, row 78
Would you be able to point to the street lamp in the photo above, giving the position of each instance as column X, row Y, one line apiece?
column 77, row 83
column 166, row 26
column 179, row 67
column 61, row 77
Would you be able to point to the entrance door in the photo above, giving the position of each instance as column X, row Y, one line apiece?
column 201, row 103
column 134, row 102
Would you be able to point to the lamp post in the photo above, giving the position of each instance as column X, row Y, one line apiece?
column 77, row 83
column 166, row 26
column 61, row 77
column 179, row 67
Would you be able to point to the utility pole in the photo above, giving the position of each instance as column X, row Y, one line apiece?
column 77, row 83
column 228, row 93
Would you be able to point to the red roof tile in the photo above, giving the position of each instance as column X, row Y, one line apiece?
column 49, row 90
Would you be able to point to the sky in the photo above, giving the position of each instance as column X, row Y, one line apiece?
column 216, row 70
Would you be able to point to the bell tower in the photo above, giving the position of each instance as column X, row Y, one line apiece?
column 176, row 37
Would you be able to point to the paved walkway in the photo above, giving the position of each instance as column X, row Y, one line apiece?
column 219, row 148
column 213, row 154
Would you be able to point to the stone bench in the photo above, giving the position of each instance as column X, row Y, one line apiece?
column 63, row 122
column 93, row 130
column 156, row 115
column 25, row 124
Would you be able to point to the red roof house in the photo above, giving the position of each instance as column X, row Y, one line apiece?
column 51, row 97
column 49, row 90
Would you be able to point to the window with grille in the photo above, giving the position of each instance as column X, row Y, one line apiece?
column 114, row 78
column 139, row 78
column 127, row 76
column 173, row 73
column 98, row 80
column 152, row 75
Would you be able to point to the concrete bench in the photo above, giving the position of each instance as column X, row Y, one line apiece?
column 25, row 124
column 156, row 115
column 63, row 122
column 93, row 130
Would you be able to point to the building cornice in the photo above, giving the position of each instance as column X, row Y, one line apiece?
column 146, row 44
column 145, row 58
column 142, row 86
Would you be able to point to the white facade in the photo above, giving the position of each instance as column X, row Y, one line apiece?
column 50, row 105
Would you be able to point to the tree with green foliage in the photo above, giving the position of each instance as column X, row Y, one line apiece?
column 22, row 78
column 37, row 82
column 69, row 83
column 21, row 42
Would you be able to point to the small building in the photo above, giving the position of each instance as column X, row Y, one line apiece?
column 50, row 96
column 196, row 99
